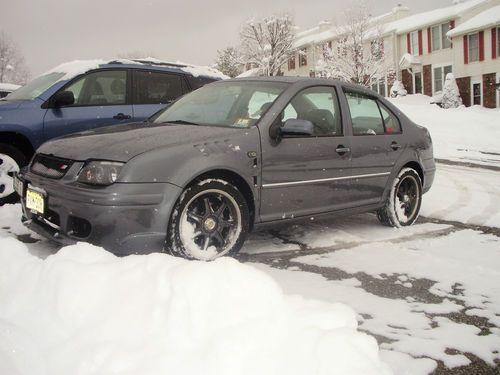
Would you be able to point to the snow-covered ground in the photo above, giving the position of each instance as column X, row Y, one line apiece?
column 462, row 134
column 429, row 294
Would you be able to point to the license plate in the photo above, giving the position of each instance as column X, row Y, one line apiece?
column 35, row 201
column 18, row 186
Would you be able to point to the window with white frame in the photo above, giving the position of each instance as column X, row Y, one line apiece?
column 414, row 43
column 473, row 47
column 379, row 86
column 440, row 76
column 438, row 37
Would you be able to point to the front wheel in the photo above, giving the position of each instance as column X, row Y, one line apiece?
column 11, row 159
column 210, row 220
column 404, row 201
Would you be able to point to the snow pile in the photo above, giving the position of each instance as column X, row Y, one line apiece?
column 85, row 311
column 451, row 95
column 398, row 89
column 461, row 134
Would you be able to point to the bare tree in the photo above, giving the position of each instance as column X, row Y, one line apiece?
column 268, row 43
column 228, row 62
column 358, row 54
column 12, row 66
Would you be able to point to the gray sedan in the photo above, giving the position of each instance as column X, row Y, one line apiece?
column 231, row 157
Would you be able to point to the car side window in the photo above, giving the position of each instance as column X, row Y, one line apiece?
column 259, row 103
column 365, row 114
column 107, row 87
column 320, row 106
column 156, row 87
column 391, row 122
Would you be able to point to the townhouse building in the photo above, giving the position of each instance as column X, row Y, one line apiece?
column 422, row 48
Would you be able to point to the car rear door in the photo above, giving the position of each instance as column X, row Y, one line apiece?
column 101, row 99
column 376, row 144
column 304, row 175
column 153, row 91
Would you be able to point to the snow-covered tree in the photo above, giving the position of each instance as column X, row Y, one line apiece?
column 228, row 62
column 397, row 89
column 451, row 94
column 268, row 43
column 357, row 55
column 12, row 66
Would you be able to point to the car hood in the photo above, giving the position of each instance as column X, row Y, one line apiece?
column 123, row 142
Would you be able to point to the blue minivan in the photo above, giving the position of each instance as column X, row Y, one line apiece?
column 83, row 95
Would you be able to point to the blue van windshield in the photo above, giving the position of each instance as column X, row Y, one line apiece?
column 35, row 88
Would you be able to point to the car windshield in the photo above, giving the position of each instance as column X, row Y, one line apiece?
column 232, row 104
column 35, row 88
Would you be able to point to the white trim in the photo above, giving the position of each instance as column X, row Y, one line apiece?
column 304, row 182
column 472, row 83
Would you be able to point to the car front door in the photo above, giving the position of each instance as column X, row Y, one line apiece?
column 304, row 175
column 101, row 99
column 376, row 144
column 154, row 90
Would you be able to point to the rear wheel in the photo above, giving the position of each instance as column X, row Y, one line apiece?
column 11, row 159
column 403, row 204
column 210, row 220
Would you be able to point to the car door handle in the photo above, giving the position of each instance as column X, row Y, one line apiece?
column 121, row 116
column 341, row 150
column 395, row 146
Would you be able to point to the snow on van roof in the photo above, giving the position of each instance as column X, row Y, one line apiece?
column 8, row 86
column 73, row 68
column 483, row 20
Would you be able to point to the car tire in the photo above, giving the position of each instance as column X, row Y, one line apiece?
column 405, row 198
column 11, row 160
column 210, row 220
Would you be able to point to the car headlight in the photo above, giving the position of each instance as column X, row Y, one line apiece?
column 100, row 172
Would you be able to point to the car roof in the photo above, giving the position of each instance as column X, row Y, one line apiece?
column 306, row 81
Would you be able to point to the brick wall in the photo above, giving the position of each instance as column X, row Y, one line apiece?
column 489, row 91
column 407, row 79
column 464, row 88
column 427, row 79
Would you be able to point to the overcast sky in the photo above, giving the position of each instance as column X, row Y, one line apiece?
column 50, row 32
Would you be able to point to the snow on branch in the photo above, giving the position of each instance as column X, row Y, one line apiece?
column 358, row 54
column 267, row 43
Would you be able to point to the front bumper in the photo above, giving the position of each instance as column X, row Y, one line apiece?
column 124, row 218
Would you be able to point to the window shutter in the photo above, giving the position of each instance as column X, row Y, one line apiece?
column 408, row 47
column 420, row 48
column 481, row 46
column 466, row 49
column 494, row 43
column 429, row 42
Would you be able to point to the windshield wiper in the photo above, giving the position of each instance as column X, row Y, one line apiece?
column 182, row 122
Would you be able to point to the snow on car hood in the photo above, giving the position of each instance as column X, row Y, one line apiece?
column 123, row 142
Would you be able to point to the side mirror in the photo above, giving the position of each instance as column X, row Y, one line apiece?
column 297, row 127
column 62, row 99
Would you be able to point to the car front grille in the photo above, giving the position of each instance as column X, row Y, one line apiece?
column 50, row 166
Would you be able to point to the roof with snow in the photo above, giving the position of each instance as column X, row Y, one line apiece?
column 417, row 21
column 483, row 20
column 321, row 34
column 73, row 68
